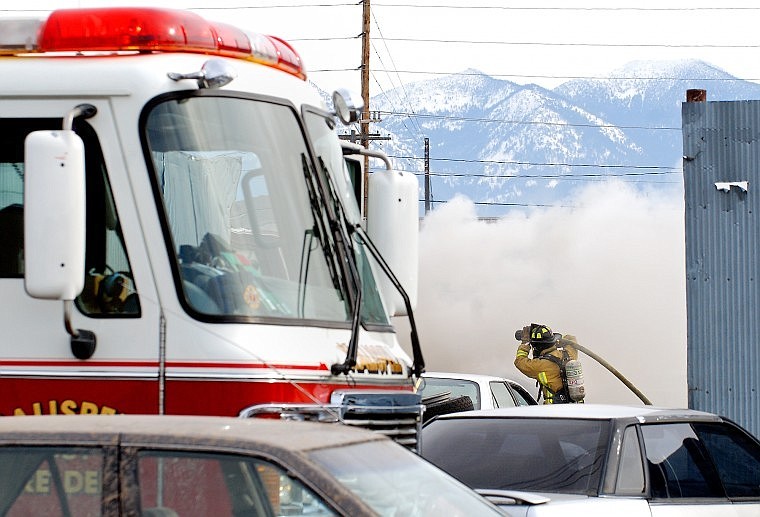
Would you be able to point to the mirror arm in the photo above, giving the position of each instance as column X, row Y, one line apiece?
column 418, row 366
column 82, row 341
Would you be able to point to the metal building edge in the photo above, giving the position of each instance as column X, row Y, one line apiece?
column 721, row 169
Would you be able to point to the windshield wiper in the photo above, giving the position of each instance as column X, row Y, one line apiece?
column 319, row 207
column 418, row 365
column 316, row 211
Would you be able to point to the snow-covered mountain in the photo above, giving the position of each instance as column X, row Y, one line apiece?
column 503, row 144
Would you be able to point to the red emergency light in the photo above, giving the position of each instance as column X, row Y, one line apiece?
column 145, row 29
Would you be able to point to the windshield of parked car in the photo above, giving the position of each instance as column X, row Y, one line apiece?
column 394, row 481
column 534, row 454
column 433, row 386
column 235, row 179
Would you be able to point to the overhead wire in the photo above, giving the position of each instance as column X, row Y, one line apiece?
column 403, row 88
column 566, row 8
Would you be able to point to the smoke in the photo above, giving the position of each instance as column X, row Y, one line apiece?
column 608, row 269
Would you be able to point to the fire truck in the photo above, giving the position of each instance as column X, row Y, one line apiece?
column 181, row 233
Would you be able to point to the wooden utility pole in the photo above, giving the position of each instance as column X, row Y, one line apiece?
column 427, row 175
column 364, row 123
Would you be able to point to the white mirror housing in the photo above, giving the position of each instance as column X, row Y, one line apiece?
column 54, row 215
column 393, row 226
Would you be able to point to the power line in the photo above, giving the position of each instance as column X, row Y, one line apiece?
column 563, row 8
column 328, row 38
column 526, row 122
column 548, row 176
column 497, row 203
column 573, row 44
column 601, row 78
column 403, row 89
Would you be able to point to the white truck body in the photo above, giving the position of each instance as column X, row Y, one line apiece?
column 168, row 159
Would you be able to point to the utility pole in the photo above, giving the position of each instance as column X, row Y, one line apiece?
column 427, row 175
column 365, row 95
column 367, row 117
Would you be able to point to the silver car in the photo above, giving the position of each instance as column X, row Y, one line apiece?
column 220, row 466
column 588, row 459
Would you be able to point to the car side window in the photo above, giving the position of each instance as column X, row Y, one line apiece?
column 677, row 463
column 736, row 456
column 54, row 481
column 630, row 477
column 502, row 397
column 188, row 483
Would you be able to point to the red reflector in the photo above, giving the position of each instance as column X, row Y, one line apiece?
column 125, row 29
column 231, row 39
column 288, row 58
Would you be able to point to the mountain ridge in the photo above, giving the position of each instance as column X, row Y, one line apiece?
column 503, row 144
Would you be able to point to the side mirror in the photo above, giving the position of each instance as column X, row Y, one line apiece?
column 393, row 226
column 54, row 215
column 347, row 107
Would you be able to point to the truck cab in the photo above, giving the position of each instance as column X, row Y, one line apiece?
column 180, row 235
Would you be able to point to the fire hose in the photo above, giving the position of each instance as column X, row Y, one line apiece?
column 609, row 368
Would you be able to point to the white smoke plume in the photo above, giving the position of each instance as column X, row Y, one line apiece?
column 609, row 269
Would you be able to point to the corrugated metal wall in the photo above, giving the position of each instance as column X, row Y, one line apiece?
column 721, row 144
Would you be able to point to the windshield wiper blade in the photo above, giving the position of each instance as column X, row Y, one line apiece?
column 317, row 208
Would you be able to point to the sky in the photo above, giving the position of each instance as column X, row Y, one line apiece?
column 611, row 269
column 530, row 41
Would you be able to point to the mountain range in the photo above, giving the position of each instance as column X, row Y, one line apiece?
column 502, row 144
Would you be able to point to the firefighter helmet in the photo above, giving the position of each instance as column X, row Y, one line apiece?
column 541, row 337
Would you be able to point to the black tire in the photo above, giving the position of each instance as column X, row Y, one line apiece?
column 455, row 405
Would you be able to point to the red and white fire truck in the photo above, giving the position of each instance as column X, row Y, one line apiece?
column 180, row 187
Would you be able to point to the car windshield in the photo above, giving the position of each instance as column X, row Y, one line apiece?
column 394, row 481
column 535, row 454
column 247, row 235
column 433, row 386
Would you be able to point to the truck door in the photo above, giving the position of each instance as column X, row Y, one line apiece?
column 39, row 374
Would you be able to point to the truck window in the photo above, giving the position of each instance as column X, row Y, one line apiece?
column 244, row 231
column 334, row 169
column 109, row 287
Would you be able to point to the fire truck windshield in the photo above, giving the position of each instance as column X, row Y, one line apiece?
column 232, row 178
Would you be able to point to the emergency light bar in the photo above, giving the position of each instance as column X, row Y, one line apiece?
column 143, row 29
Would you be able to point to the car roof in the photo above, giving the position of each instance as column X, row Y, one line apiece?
column 641, row 414
column 475, row 377
column 245, row 433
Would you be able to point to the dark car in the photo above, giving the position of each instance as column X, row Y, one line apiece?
column 215, row 466
column 601, row 460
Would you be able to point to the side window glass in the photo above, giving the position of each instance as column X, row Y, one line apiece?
column 51, row 482
column 677, row 463
column 109, row 287
column 502, row 397
column 736, row 456
column 12, row 134
column 630, row 478
column 220, row 485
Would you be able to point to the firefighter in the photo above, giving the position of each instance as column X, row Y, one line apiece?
column 544, row 366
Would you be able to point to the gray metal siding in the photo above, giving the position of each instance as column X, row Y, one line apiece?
column 721, row 143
